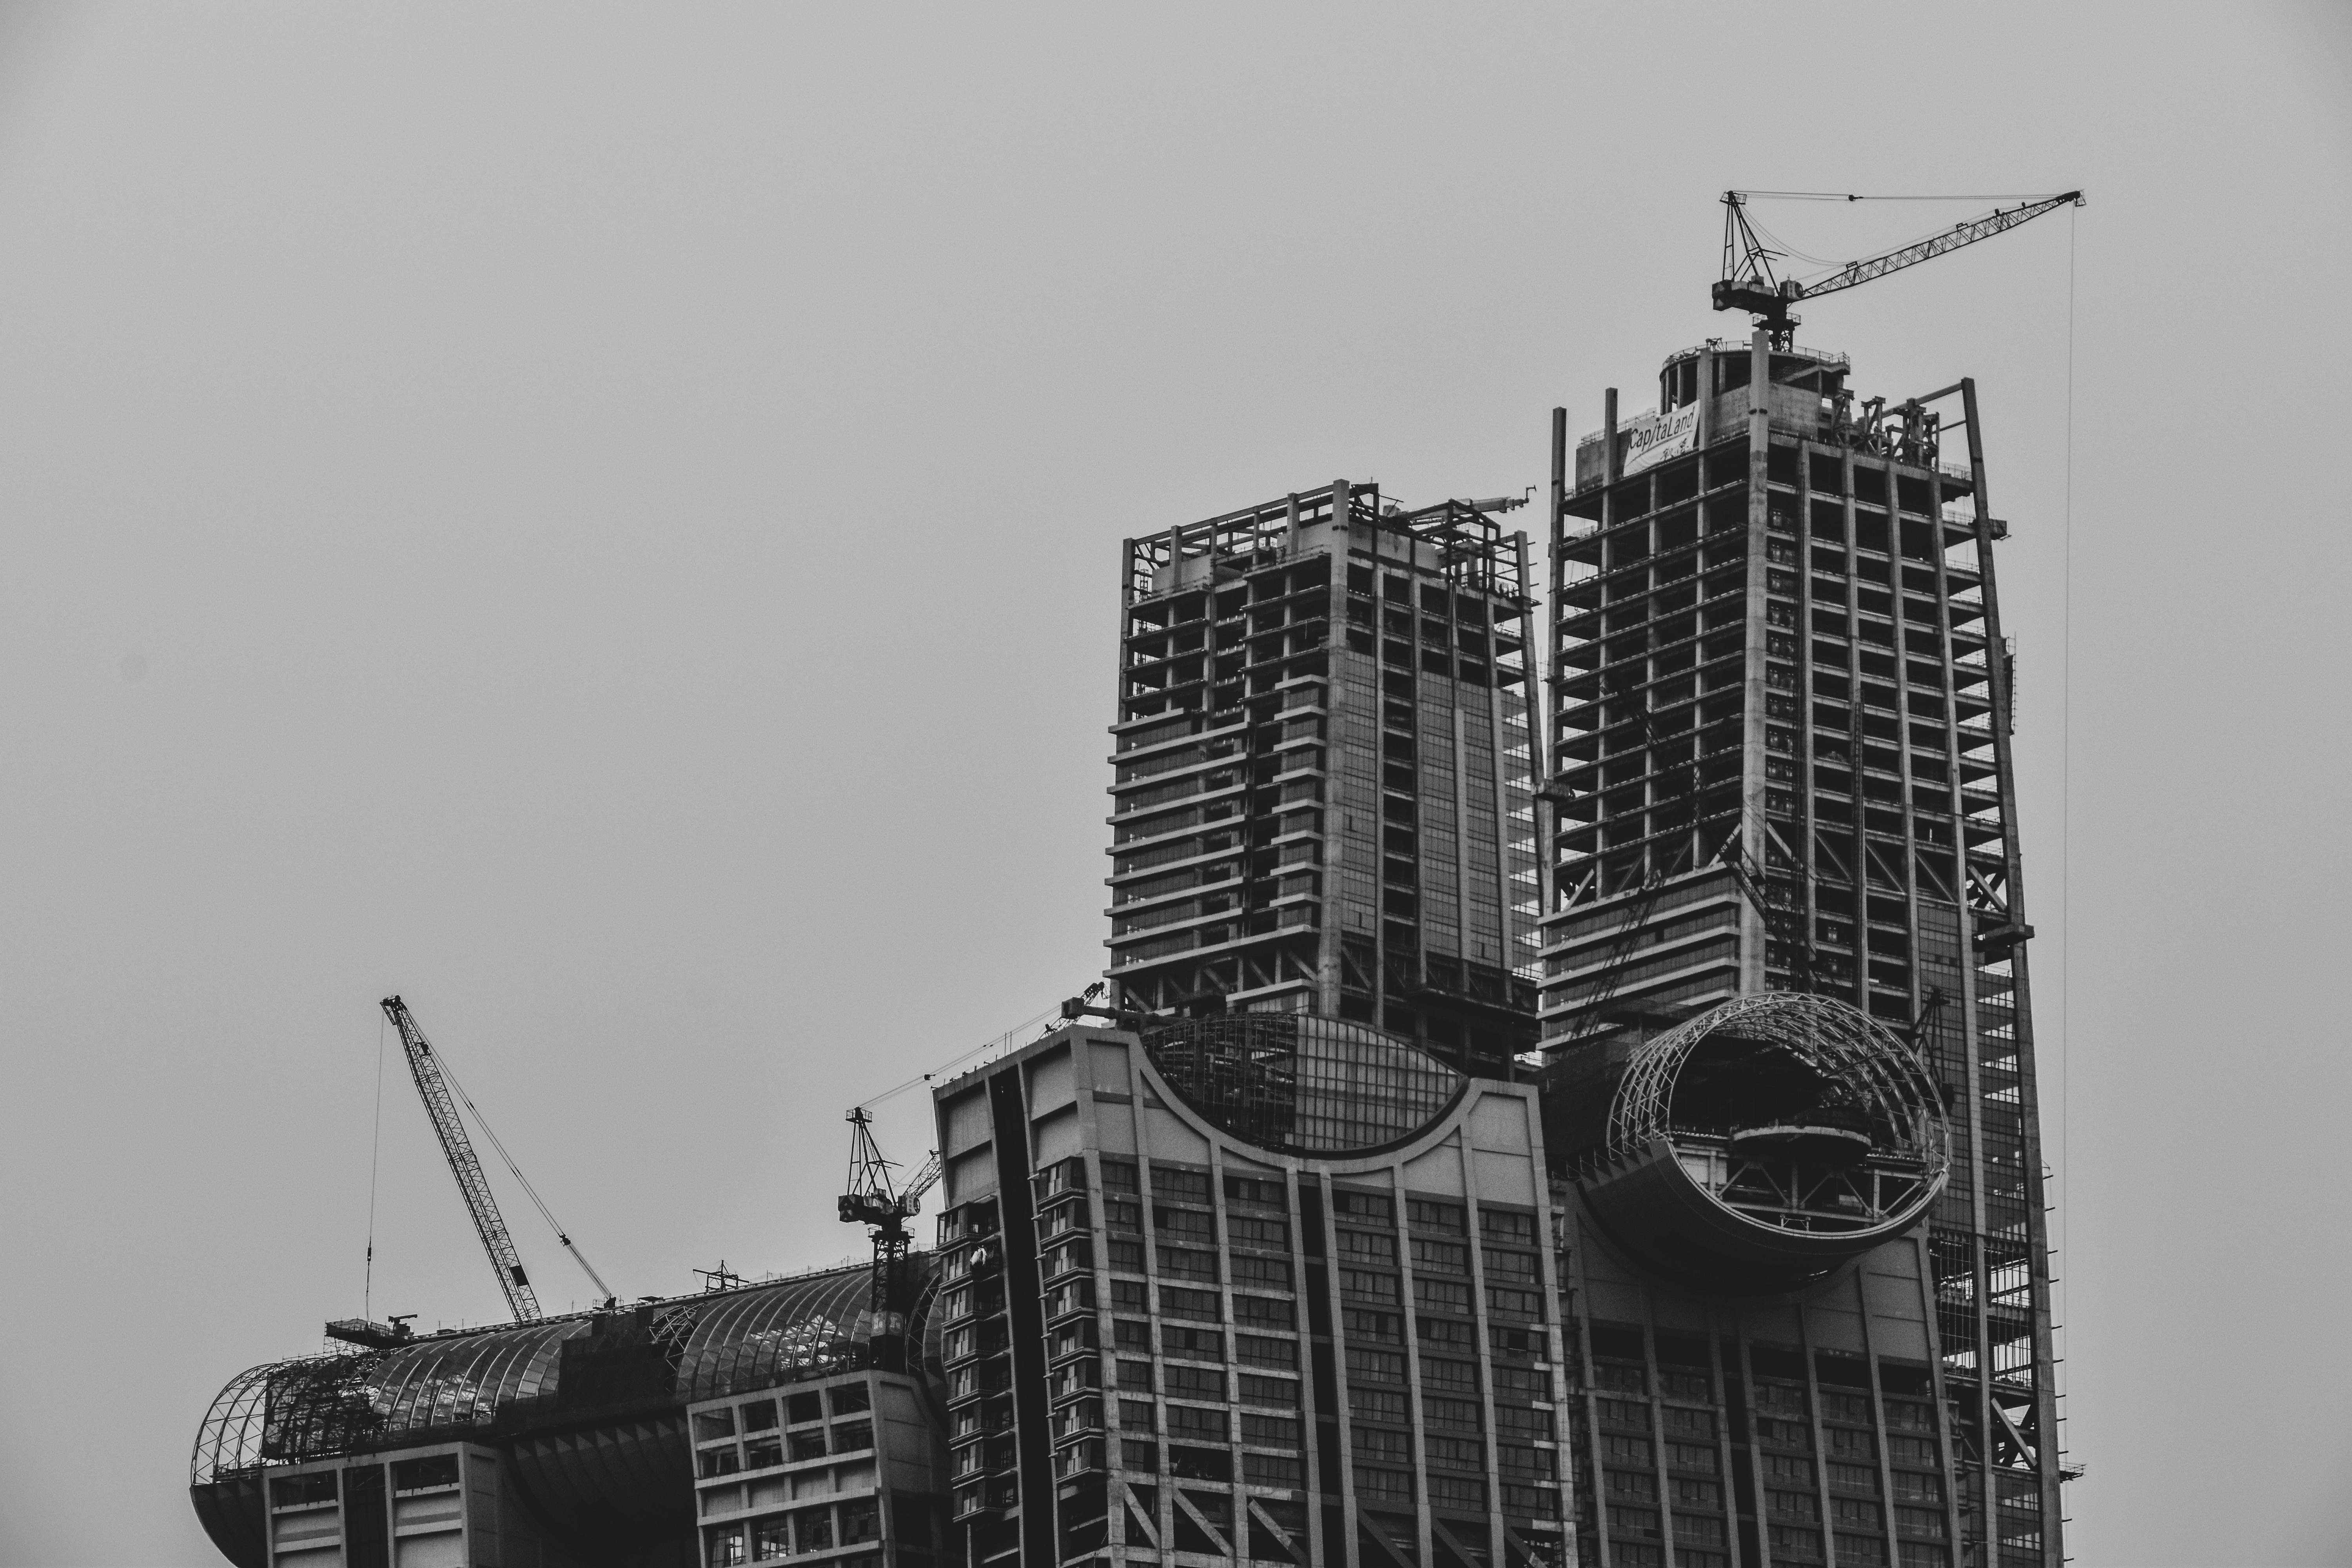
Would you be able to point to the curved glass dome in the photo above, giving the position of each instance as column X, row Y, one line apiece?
column 679, row 1351
column 1299, row 1083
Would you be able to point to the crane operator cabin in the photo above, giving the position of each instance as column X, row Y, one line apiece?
column 1562, row 1092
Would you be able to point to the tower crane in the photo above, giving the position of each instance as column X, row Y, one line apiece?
column 434, row 1087
column 874, row 1202
column 1750, row 283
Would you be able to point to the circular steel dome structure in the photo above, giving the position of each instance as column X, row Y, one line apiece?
column 1762, row 1144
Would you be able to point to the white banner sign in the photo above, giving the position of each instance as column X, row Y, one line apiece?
column 1652, row 439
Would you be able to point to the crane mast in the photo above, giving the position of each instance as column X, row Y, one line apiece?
column 459, row 1150
column 871, row 1201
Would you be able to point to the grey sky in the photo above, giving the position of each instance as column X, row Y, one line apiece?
column 605, row 521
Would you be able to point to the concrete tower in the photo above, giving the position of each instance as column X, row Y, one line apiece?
column 1809, row 1234
column 1323, row 800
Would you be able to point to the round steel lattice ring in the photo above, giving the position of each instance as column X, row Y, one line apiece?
column 1850, row 1050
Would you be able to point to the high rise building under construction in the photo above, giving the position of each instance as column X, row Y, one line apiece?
column 1561, row 1096
column 1324, row 796
column 1807, row 1250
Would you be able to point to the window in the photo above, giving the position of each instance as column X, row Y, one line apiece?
column 1196, row 1382
column 1439, row 1295
column 1383, row 1486
column 1424, row 1213
column 1855, row 1512
column 1262, row 1311
column 1199, row 1344
column 809, row 1444
column 1514, row 1303
column 1696, row 1494
column 814, row 1526
column 759, row 1417
column 1270, row 1431
column 1624, row 1450
column 1179, row 1186
column 1631, row 1484
column 1690, row 1422
column 1276, row 1391
column 1440, row 1374
column 1375, row 1366
column 1787, row 1467
column 1377, row 1405
column 853, row 1437
column 1921, row 1520
column 1374, row 1208
column 1257, row 1190
column 1272, row 1470
column 1500, row 1265
column 1461, row 1494
column 1363, row 1325
column 1792, row 1505
column 760, row 1453
column 1272, row 1273
column 849, row 1398
column 1456, row 1453
column 1394, row 1448
column 859, row 1521
column 1500, row 1224
column 1525, row 1424
column 1134, row 1374
column 1137, row 1416
column 1186, row 1263
column 1199, row 1305
column 1366, row 1246
column 1274, row 1234
column 1189, row 1423
column 726, row 1547
column 1690, row 1456
column 1442, row 1334
column 771, row 1537
column 1456, row 1415
column 1860, row 1552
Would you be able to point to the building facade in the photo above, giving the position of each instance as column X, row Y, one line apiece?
column 1323, row 800
column 1782, row 760
column 1653, row 1183
column 1264, row 1288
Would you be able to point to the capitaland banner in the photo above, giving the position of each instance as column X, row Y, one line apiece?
column 1652, row 439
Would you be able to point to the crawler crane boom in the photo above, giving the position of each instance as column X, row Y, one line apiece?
column 459, row 1150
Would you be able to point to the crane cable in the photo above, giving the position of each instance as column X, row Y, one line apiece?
column 524, row 1181
column 375, row 1148
column 952, row 1062
column 2065, row 819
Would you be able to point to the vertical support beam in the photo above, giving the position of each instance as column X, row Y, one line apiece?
column 2037, row 1258
column 1610, row 469
column 1752, row 747
column 1548, row 827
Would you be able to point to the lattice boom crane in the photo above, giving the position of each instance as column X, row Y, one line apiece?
column 1748, row 282
column 463, row 1164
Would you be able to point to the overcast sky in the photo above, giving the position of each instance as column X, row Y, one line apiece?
column 606, row 522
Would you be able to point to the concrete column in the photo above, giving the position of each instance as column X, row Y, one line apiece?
column 1752, row 748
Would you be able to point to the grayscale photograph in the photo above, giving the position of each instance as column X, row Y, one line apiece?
column 1040, row 785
